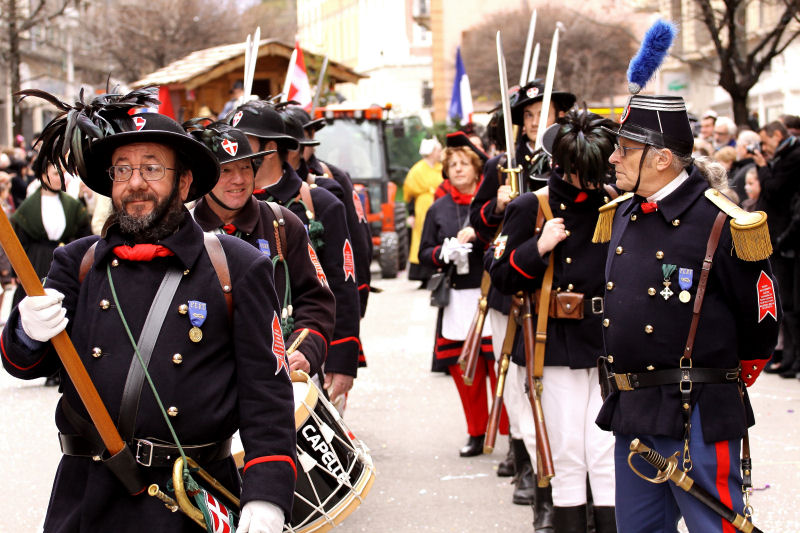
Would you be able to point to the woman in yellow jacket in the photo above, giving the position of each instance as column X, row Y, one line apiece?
column 421, row 182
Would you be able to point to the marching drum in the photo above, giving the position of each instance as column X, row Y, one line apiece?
column 334, row 470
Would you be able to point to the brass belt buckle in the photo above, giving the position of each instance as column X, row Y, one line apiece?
column 623, row 381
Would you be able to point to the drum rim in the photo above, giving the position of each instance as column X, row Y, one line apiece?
column 344, row 508
column 302, row 412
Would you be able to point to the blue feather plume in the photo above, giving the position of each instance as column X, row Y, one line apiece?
column 651, row 54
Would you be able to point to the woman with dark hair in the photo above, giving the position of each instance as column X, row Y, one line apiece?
column 580, row 147
column 448, row 244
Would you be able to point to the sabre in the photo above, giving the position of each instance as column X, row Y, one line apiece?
column 534, row 63
column 250, row 59
column 514, row 173
column 321, row 80
column 523, row 75
column 548, row 86
column 668, row 470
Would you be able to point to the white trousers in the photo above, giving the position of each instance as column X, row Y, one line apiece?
column 514, row 397
column 570, row 401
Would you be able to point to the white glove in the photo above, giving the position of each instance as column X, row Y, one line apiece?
column 43, row 317
column 452, row 250
column 259, row 516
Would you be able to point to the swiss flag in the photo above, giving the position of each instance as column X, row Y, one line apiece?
column 300, row 90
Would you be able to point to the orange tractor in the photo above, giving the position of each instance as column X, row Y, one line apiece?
column 354, row 139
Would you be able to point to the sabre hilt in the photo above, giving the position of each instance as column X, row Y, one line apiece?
column 664, row 466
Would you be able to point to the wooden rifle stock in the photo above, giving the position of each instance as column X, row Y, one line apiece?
column 505, row 359
column 546, row 470
column 471, row 350
column 61, row 342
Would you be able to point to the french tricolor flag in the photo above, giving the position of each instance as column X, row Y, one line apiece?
column 461, row 102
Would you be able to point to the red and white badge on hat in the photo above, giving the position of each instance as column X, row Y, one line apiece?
column 766, row 297
column 139, row 123
column 230, row 146
column 236, row 118
column 533, row 92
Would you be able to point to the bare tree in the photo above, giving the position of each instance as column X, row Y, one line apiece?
column 17, row 18
column 742, row 58
column 135, row 43
column 277, row 18
column 592, row 56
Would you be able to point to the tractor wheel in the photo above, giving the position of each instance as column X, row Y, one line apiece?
column 388, row 255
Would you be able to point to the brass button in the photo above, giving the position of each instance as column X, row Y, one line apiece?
column 650, row 367
column 651, row 291
column 226, row 288
column 558, row 289
column 172, row 411
column 606, row 199
column 104, row 304
column 568, row 260
column 610, row 358
column 610, row 286
column 755, row 367
column 749, row 376
column 186, row 272
column 676, row 222
column 619, row 250
column 562, row 207
column 177, row 359
column 570, row 287
column 567, row 233
column 634, row 217
column 114, row 262
column 183, row 309
column 97, row 353
column 648, row 329
column 659, row 255
column 606, row 322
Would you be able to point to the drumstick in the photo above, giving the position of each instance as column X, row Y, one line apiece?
column 296, row 344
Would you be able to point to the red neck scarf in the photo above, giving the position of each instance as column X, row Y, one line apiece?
column 230, row 229
column 142, row 252
column 458, row 197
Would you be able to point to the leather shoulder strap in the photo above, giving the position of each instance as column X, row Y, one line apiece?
column 87, row 262
column 279, row 227
column 326, row 170
column 611, row 191
column 305, row 196
column 217, row 255
column 542, row 308
column 711, row 248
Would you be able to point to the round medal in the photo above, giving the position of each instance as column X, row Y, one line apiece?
column 195, row 334
column 684, row 297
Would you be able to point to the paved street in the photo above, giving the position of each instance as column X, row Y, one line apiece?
column 412, row 421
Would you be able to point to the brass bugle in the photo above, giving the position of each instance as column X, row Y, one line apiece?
column 184, row 503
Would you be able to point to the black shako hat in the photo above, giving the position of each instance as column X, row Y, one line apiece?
column 227, row 143
column 260, row 119
column 534, row 92
column 295, row 128
column 151, row 128
column 660, row 121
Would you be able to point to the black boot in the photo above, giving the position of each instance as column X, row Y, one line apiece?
column 605, row 520
column 569, row 519
column 506, row 466
column 543, row 514
column 590, row 526
column 525, row 481
column 474, row 447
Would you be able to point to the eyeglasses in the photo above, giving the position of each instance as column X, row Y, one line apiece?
column 150, row 172
column 623, row 149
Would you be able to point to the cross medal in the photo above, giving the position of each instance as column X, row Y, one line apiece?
column 667, row 270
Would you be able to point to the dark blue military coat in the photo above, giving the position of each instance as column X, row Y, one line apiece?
column 646, row 332
column 311, row 298
column 578, row 267
column 229, row 380
column 337, row 260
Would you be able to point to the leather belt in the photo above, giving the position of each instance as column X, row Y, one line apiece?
column 672, row 376
column 148, row 452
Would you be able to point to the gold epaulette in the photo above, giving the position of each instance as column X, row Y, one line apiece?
column 602, row 232
column 749, row 230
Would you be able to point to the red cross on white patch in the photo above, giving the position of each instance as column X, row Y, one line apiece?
column 236, row 118
column 139, row 122
column 230, row 146
column 533, row 92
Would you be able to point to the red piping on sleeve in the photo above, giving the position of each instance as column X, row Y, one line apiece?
column 434, row 254
column 483, row 217
column 365, row 286
column 3, row 348
column 270, row 459
column 347, row 339
column 517, row 268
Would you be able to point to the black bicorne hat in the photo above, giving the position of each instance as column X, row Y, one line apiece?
column 459, row 138
column 227, row 143
column 260, row 119
column 660, row 121
column 534, row 92
column 150, row 128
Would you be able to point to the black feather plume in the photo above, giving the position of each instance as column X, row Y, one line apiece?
column 64, row 139
column 209, row 132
